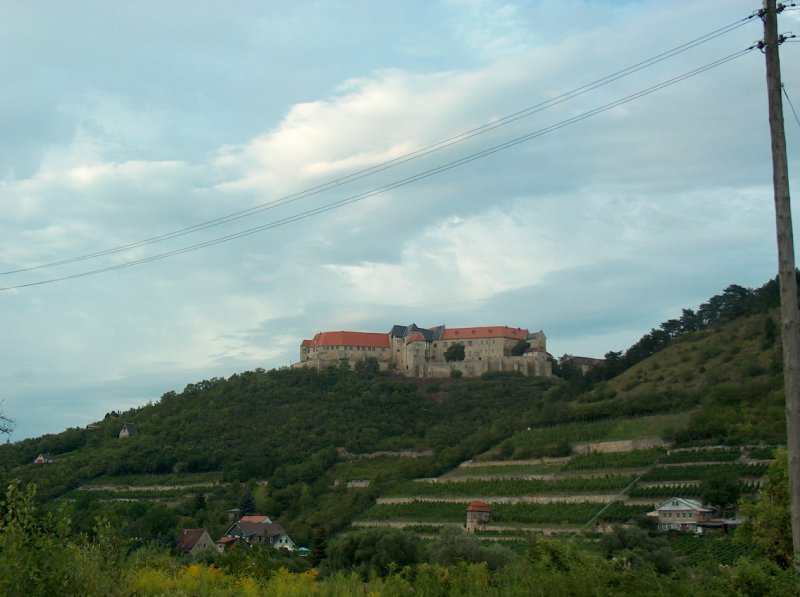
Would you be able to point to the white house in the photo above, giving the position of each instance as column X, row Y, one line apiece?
column 682, row 514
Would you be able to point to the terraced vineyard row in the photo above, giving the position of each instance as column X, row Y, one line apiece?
column 682, row 490
column 513, row 487
column 702, row 471
column 544, row 514
column 715, row 455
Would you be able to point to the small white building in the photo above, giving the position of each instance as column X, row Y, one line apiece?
column 42, row 459
column 128, row 429
column 682, row 514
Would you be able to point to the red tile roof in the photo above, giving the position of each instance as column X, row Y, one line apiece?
column 307, row 343
column 484, row 332
column 189, row 537
column 415, row 338
column 255, row 518
column 378, row 340
column 478, row 506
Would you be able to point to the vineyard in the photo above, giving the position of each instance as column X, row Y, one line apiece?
column 512, row 487
column 556, row 514
column 703, row 471
column 640, row 478
column 504, row 470
column 615, row 460
column 698, row 549
column 683, row 490
column 715, row 455
column 592, row 431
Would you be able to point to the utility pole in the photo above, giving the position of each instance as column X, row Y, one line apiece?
column 787, row 279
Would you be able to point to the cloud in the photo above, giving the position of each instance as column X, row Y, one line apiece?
column 593, row 232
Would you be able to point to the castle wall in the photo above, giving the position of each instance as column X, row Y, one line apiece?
column 530, row 366
column 414, row 357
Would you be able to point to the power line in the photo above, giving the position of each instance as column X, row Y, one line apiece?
column 791, row 105
column 402, row 182
column 459, row 138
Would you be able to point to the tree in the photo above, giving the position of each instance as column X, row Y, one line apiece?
column 454, row 352
column 768, row 523
column 319, row 545
column 565, row 367
column 377, row 550
column 720, row 489
column 453, row 545
column 369, row 367
column 247, row 504
column 6, row 425
column 519, row 348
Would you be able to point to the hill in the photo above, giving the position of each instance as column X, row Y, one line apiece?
column 314, row 449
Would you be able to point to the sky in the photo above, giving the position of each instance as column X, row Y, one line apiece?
column 125, row 122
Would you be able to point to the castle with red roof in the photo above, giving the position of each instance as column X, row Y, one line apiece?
column 420, row 352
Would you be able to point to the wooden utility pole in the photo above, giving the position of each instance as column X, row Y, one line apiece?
column 790, row 331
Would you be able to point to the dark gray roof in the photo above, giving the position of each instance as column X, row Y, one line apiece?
column 255, row 529
column 398, row 331
column 430, row 334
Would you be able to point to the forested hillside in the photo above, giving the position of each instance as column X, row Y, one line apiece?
column 314, row 449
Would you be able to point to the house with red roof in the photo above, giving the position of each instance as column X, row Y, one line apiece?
column 193, row 540
column 420, row 352
column 258, row 529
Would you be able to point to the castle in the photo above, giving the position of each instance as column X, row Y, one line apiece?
column 420, row 352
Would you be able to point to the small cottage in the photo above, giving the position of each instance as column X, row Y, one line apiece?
column 478, row 515
column 42, row 459
column 193, row 540
column 128, row 429
column 682, row 514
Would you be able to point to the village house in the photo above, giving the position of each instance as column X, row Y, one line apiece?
column 257, row 530
column 193, row 540
column 682, row 514
column 420, row 352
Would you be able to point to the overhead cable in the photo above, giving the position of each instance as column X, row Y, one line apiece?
column 398, row 183
column 459, row 138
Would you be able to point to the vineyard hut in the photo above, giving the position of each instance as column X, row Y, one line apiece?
column 128, row 429
column 478, row 514
column 43, row 459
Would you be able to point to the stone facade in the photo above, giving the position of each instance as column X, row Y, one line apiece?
column 420, row 352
